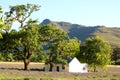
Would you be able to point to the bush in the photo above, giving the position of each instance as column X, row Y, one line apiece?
column 6, row 56
column 1, row 57
column 117, row 62
column 38, row 57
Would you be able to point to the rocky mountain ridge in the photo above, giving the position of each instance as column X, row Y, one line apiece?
column 82, row 32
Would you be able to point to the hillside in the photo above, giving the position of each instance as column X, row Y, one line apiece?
column 82, row 32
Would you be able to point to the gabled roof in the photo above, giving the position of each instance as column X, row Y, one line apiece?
column 75, row 61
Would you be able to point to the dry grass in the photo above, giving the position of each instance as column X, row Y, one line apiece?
column 114, row 66
column 14, row 70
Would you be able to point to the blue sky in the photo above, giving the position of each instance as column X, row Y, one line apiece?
column 85, row 12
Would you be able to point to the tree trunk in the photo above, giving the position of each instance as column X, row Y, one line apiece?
column 26, row 64
column 51, row 63
column 63, row 67
column 95, row 68
column 51, row 67
column 27, row 59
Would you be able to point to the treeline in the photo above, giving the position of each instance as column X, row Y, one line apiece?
column 46, row 43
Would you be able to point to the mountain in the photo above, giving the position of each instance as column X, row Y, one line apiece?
column 82, row 32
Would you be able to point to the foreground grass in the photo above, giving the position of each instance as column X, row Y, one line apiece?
column 58, row 79
column 14, row 71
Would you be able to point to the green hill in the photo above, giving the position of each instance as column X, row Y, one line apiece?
column 112, row 35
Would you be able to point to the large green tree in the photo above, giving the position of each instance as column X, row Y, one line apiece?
column 28, row 43
column 21, row 44
column 97, row 52
column 63, row 50
column 25, row 41
column 49, row 35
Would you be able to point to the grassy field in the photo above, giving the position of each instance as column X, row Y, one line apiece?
column 14, row 71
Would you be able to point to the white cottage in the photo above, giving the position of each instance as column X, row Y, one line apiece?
column 77, row 67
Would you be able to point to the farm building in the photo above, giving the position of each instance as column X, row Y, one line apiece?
column 74, row 66
column 57, row 67
column 77, row 67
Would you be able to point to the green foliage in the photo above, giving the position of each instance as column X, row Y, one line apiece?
column 116, row 55
column 2, row 23
column 68, row 48
column 6, row 57
column 81, row 55
column 97, row 52
column 21, row 13
column 9, row 40
column 63, row 50
column 29, row 37
column 1, row 9
column 82, row 32
column 49, row 33
column 1, row 57
column 8, row 45
column 117, row 62
column 38, row 57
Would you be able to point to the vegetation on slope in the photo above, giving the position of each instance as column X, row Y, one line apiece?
column 83, row 32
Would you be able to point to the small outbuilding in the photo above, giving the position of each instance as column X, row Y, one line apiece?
column 57, row 67
column 76, row 67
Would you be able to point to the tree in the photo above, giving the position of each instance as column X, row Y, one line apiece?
column 23, row 43
column 63, row 50
column 116, row 55
column 21, row 13
column 7, row 44
column 49, row 35
column 81, row 55
column 97, row 52
column 28, row 43
column 4, row 47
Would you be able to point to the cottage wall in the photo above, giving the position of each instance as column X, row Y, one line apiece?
column 77, row 67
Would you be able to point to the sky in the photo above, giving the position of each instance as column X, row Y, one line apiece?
column 84, row 12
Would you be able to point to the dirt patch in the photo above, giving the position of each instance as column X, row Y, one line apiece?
column 15, row 70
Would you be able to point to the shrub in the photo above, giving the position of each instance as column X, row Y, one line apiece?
column 117, row 62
